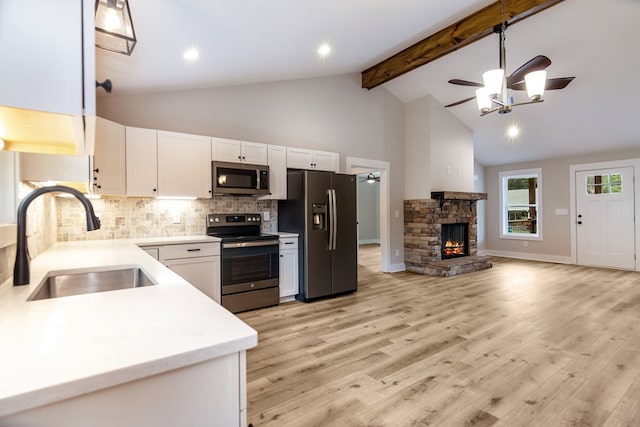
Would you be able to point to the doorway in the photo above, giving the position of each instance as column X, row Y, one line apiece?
column 381, row 170
column 605, row 229
column 368, row 192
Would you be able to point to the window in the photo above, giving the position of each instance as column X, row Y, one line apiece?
column 604, row 184
column 520, row 201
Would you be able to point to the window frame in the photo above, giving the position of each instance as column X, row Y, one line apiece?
column 504, row 177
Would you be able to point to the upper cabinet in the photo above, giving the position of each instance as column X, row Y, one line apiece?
column 48, row 53
column 231, row 150
column 184, row 165
column 277, row 172
column 142, row 162
column 109, row 163
column 301, row 158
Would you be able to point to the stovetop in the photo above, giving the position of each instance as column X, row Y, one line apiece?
column 236, row 227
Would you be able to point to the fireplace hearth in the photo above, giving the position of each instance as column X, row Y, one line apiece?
column 441, row 234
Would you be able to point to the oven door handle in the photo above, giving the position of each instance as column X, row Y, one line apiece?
column 250, row 244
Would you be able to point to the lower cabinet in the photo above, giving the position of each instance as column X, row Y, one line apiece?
column 197, row 263
column 288, row 268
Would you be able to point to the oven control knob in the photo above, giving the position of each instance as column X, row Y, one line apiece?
column 217, row 220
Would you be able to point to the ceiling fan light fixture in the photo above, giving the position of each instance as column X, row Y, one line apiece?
column 371, row 178
column 493, row 80
column 114, row 27
column 483, row 99
column 535, row 82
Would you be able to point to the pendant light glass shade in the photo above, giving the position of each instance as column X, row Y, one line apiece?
column 483, row 99
column 493, row 80
column 535, row 81
column 114, row 28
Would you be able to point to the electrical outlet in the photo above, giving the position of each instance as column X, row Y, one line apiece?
column 176, row 218
column 525, row 244
column 397, row 252
column 265, row 216
column 397, row 214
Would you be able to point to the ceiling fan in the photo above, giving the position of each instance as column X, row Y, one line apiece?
column 371, row 178
column 493, row 94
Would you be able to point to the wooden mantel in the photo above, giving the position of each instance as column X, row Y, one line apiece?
column 444, row 196
column 464, row 32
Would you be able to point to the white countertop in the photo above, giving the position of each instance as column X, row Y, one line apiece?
column 63, row 347
column 286, row 234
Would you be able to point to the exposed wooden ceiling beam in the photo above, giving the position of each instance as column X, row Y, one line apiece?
column 464, row 32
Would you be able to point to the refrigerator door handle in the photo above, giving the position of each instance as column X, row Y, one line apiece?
column 330, row 197
column 335, row 220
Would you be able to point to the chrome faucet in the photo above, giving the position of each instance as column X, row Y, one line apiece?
column 21, row 272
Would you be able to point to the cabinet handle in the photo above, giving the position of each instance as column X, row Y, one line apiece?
column 154, row 190
column 288, row 243
column 97, row 170
column 281, row 256
column 239, row 157
column 193, row 250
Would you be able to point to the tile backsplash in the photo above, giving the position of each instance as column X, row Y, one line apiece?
column 124, row 218
column 41, row 231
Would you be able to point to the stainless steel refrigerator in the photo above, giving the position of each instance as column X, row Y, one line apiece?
column 321, row 207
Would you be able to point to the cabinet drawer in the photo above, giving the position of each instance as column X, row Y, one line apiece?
column 288, row 243
column 191, row 250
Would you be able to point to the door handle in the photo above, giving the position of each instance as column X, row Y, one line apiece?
column 578, row 222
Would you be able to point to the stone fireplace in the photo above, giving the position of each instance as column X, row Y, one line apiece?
column 441, row 234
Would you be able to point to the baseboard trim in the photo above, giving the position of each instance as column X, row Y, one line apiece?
column 528, row 256
column 395, row 268
column 368, row 241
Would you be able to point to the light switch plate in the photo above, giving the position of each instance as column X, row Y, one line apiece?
column 265, row 216
column 562, row 212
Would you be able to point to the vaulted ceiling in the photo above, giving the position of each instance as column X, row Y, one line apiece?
column 253, row 41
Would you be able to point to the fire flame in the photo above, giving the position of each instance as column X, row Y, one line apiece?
column 453, row 248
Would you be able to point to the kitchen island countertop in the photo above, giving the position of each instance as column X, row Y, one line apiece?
column 58, row 348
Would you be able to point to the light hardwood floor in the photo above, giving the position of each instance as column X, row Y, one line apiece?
column 521, row 344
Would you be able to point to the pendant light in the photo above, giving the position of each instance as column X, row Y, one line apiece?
column 114, row 27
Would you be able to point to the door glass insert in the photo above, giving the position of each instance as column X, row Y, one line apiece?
column 604, row 184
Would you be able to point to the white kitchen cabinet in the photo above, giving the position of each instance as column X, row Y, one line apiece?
column 301, row 158
column 142, row 161
column 184, row 165
column 73, row 171
column 48, row 56
column 288, row 268
column 197, row 263
column 208, row 393
column 231, row 150
column 109, row 159
column 277, row 173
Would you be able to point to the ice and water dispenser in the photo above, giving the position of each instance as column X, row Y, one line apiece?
column 319, row 212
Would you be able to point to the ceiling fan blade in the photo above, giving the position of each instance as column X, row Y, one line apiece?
column 460, row 102
column 538, row 63
column 464, row 83
column 551, row 84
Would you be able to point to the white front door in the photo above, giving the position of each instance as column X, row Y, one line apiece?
column 605, row 223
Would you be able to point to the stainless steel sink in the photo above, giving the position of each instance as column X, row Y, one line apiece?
column 76, row 283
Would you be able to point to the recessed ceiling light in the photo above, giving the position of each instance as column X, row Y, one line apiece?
column 513, row 131
column 324, row 50
column 191, row 54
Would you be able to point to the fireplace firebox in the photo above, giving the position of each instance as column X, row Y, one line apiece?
column 455, row 240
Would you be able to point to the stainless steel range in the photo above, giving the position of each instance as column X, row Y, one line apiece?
column 250, row 261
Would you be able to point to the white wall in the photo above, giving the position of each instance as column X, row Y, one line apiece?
column 330, row 113
column 368, row 210
column 451, row 151
column 556, row 244
column 438, row 150
column 481, row 206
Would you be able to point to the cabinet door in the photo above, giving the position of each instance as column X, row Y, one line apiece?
column 203, row 273
column 184, row 165
column 226, row 150
column 41, row 46
column 325, row 160
column 277, row 173
column 288, row 273
column 142, row 162
column 109, row 162
column 299, row 158
column 254, row 153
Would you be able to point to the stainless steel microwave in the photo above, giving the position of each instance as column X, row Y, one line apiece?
column 240, row 179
